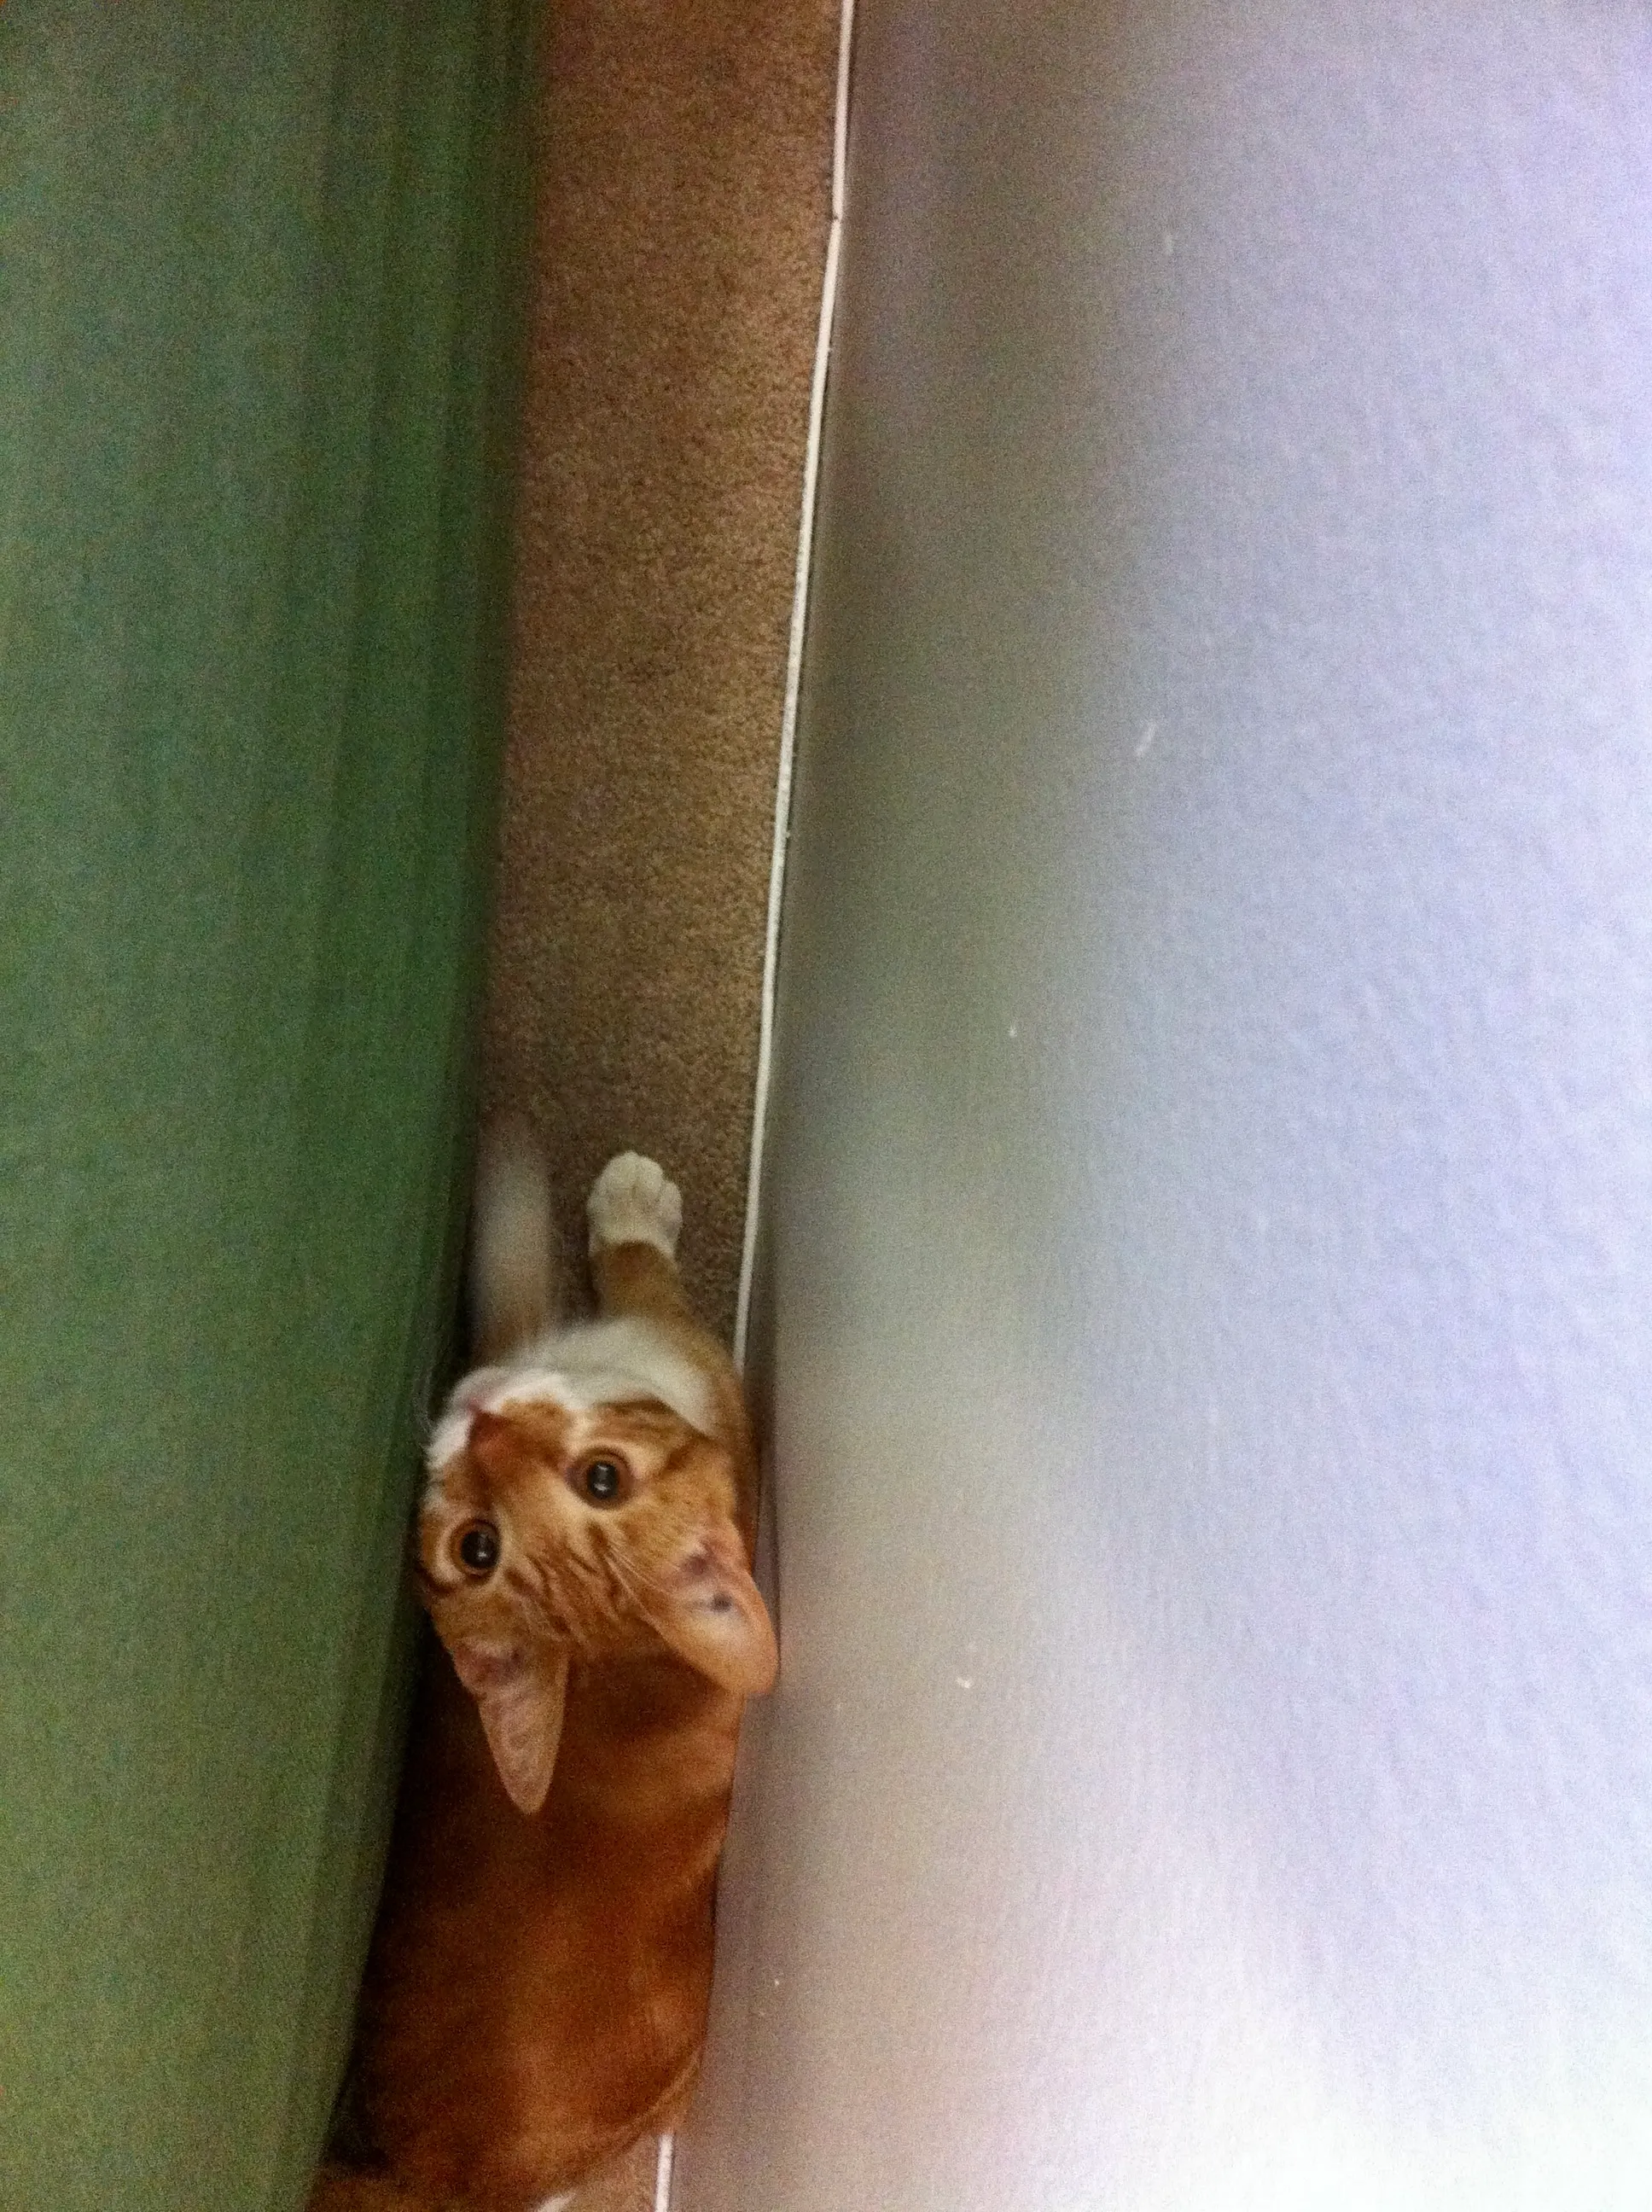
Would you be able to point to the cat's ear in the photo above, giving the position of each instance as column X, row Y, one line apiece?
column 519, row 1696
column 711, row 1613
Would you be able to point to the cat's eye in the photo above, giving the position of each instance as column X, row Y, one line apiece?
column 604, row 1480
column 477, row 1547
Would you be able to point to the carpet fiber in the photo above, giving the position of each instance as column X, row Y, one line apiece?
column 684, row 193
column 685, row 161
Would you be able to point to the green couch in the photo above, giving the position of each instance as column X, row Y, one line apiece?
column 258, row 268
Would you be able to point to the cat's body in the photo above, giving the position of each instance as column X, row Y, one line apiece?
column 536, row 1997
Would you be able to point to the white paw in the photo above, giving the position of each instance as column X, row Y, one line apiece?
column 631, row 1202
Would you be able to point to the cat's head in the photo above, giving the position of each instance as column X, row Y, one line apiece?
column 552, row 1532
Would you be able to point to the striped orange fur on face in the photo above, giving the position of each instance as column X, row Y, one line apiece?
column 592, row 1533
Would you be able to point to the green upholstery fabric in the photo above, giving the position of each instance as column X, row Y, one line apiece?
column 256, row 275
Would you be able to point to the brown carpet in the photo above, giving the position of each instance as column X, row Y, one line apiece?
column 685, row 170
column 684, row 192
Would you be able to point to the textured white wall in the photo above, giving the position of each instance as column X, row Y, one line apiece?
column 1209, row 1323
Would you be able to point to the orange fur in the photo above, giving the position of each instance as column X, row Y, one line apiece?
column 536, row 2001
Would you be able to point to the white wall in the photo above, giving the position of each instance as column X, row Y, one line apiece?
column 1210, row 1234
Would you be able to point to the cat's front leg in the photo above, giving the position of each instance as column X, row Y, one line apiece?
column 635, row 1216
column 634, row 1202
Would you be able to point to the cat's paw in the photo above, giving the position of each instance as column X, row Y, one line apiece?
column 632, row 1202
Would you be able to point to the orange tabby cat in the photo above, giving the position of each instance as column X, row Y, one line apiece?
column 537, row 1997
